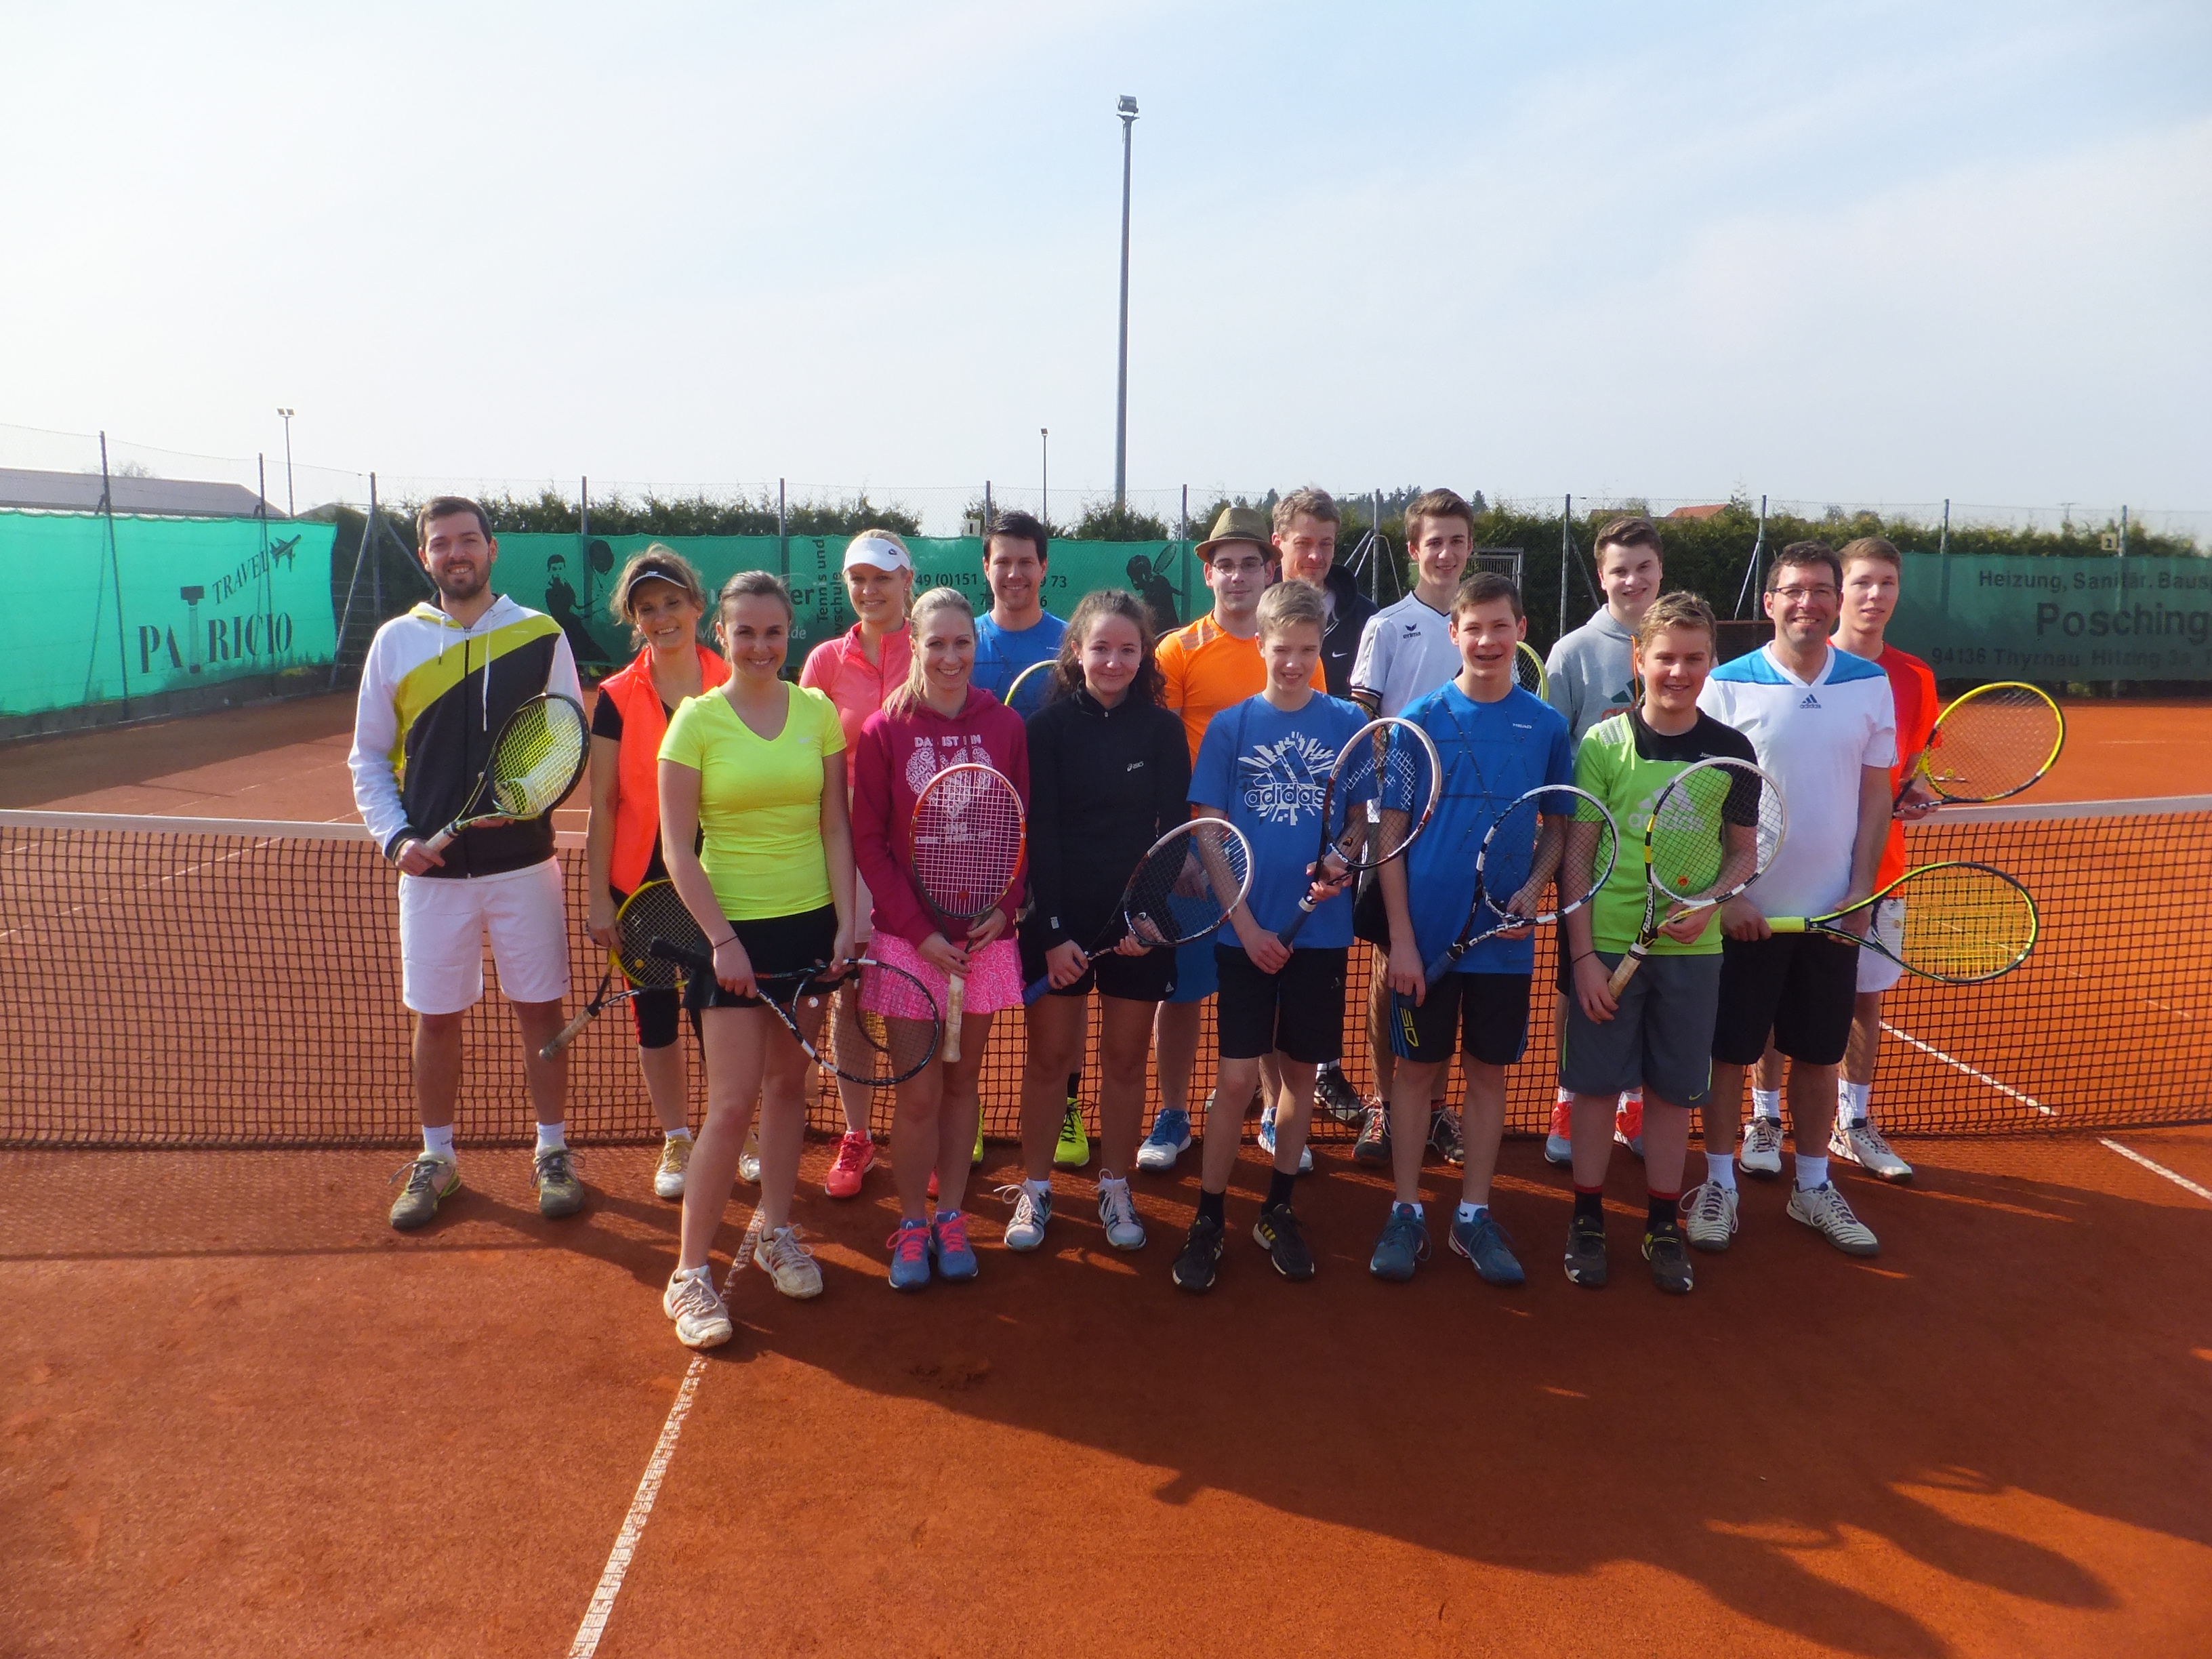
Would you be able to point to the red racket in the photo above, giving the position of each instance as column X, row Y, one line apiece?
column 965, row 847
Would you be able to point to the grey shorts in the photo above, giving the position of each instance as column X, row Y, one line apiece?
column 1662, row 1036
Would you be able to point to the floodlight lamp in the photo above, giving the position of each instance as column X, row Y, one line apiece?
column 1126, row 107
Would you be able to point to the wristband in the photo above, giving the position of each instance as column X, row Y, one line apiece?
column 1585, row 956
column 732, row 939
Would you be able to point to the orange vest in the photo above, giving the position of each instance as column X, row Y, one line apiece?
column 637, row 776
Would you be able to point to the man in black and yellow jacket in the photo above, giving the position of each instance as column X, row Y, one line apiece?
column 438, row 685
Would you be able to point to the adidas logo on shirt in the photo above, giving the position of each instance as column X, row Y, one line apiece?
column 1811, row 701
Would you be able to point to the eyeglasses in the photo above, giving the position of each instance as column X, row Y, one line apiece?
column 1800, row 595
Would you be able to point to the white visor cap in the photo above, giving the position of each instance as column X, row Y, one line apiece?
column 875, row 550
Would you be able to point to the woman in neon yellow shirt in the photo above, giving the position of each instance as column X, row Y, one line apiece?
column 753, row 774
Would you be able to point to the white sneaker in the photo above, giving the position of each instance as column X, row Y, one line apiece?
column 1760, row 1154
column 1169, row 1140
column 1827, row 1212
column 1267, row 1144
column 1861, row 1144
column 675, row 1160
column 749, row 1162
column 780, row 1255
column 1117, row 1213
column 1709, row 1216
column 1026, row 1230
column 702, row 1321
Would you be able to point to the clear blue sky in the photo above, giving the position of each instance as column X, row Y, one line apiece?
column 1851, row 251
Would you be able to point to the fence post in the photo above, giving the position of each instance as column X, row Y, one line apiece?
column 115, row 569
column 1943, row 538
column 1566, row 518
column 782, row 537
column 2124, row 530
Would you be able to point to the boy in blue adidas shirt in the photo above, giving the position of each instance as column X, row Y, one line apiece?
column 1496, row 743
column 1264, row 765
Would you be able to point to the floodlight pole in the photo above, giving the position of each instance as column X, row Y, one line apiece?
column 1127, row 109
column 1044, row 475
column 291, row 503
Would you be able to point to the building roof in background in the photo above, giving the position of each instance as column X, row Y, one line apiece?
column 79, row 492
column 1712, row 512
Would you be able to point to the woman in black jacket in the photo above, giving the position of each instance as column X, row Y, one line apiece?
column 1109, row 774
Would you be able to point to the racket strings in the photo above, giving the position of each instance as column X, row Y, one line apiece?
column 1694, row 855
column 869, row 1045
column 1965, row 922
column 967, row 843
column 536, row 760
column 656, row 912
column 1381, row 796
column 1185, row 885
column 1993, row 743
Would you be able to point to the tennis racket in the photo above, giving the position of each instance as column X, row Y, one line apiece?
column 1035, row 683
column 655, row 911
column 1993, row 742
column 1964, row 924
column 964, row 846
column 536, row 760
column 1519, row 858
column 1713, row 831
column 1381, row 794
column 1183, row 889
column 1528, row 671
column 860, row 1044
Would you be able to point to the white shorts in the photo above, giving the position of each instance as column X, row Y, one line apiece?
column 1876, row 971
column 443, row 924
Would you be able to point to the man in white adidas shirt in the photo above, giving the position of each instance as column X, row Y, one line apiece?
column 1824, row 725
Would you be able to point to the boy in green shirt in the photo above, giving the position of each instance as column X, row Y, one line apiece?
column 1659, row 1032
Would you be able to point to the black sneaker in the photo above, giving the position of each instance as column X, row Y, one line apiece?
column 1338, row 1098
column 1373, row 1147
column 1201, row 1250
column 1277, row 1232
column 1586, row 1251
column 1444, row 1137
column 1670, row 1261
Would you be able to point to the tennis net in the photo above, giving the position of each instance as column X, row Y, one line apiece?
column 202, row 983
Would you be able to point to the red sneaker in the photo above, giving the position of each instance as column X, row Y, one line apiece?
column 856, row 1156
column 1559, row 1144
column 1628, row 1121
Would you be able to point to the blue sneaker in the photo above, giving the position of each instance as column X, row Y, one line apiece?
column 909, row 1248
column 1169, row 1140
column 948, row 1237
column 1484, row 1242
column 1404, row 1244
column 1267, row 1144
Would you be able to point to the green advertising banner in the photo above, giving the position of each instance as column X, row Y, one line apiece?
column 202, row 600
column 570, row 579
column 2016, row 616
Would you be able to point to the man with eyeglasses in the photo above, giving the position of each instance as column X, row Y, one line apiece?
column 1824, row 726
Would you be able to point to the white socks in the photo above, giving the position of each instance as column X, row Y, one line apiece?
column 1811, row 1172
column 437, row 1142
column 1720, row 1170
column 677, row 1134
column 1851, row 1100
column 1473, row 1212
column 552, row 1138
column 1766, row 1103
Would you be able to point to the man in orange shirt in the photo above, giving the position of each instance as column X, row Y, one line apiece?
column 1212, row 665
column 1873, row 572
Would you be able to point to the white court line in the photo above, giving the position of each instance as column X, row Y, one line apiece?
column 649, row 1484
column 2028, row 1100
column 2180, row 1181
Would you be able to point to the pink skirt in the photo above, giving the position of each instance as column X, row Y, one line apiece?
column 995, row 980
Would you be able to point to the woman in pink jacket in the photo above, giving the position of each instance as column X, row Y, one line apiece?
column 936, row 719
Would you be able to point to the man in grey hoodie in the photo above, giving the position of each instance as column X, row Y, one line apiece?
column 1591, row 677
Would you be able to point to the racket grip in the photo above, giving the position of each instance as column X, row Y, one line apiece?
column 1788, row 924
column 956, row 1000
column 1035, row 990
column 1626, row 971
column 1436, row 970
column 1297, row 921
column 568, row 1034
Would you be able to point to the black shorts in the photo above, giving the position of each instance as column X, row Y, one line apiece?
column 1799, row 986
column 653, row 1012
column 1299, row 1012
column 1485, row 1014
column 774, row 944
column 1147, row 978
column 1563, row 966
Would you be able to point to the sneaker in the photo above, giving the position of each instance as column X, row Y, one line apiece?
column 789, row 1263
column 1670, row 1262
column 675, row 1159
column 856, row 1156
column 1485, row 1244
column 702, row 1319
column 948, row 1237
column 1169, row 1140
column 1404, row 1244
column 1709, row 1215
column 1760, row 1154
column 1334, row 1094
column 1031, row 1211
column 976, row 1158
column 1444, row 1139
column 1117, row 1214
column 430, row 1178
column 1277, row 1232
column 909, row 1249
column 1267, row 1144
column 1194, row 1269
column 749, row 1162
column 1586, row 1251
column 1373, row 1147
column 559, row 1192
column 1560, row 1140
column 1628, row 1123
column 1861, row 1144
column 1075, row 1149
column 1826, row 1211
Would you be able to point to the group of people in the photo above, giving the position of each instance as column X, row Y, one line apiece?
column 778, row 811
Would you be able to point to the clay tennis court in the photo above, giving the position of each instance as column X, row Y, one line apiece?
column 241, row 1415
